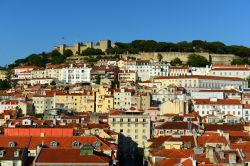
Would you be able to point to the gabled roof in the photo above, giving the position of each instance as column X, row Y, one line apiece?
column 174, row 153
column 202, row 140
column 176, row 125
column 158, row 142
column 218, row 102
column 49, row 155
column 200, row 77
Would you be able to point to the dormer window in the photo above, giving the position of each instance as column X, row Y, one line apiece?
column 54, row 144
column 97, row 144
column 76, row 144
column 2, row 153
column 12, row 144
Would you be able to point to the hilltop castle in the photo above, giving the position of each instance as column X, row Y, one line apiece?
column 77, row 48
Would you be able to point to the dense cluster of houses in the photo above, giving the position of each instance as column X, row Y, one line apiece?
column 126, row 112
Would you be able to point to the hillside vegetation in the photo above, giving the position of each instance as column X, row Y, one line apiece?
column 136, row 46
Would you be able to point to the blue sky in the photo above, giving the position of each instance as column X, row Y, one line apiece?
column 33, row 26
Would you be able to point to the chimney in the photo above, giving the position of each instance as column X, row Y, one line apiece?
column 232, row 158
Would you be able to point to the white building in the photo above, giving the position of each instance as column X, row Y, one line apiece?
column 198, row 82
column 24, row 72
column 75, row 74
column 215, row 106
column 231, row 71
column 123, row 98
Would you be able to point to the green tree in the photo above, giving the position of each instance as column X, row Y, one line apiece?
column 92, row 51
column 4, row 84
column 240, row 61
column 53, row 83
column 159, row 57
column 67, row 53
column 197, row 60
column 176, row 62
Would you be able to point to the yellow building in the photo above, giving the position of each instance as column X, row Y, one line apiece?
column 127, row 75
column 3, row 74
column 175, row 106
column 78, row 102
column 38, row 73
column 134, row 125
column 104, row 99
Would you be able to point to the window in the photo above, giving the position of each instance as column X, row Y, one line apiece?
column 54, row 144
column 12, row 144
column 75, row 144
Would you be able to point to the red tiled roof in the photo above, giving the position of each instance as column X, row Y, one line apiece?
column 66, row 142
column 174, row 153
column 246, row 106
column 218, row 102
column 200, row 77
column 220, row 90
column 21, row 142
column 157, row 142
column 95, row 125
column 223, row 127
column 176, row 125
column 27, row 67
column 202, row 140
column 49, row 155
column 231, row 68
column 116, row 112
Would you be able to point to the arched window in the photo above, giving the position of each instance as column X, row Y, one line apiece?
column 97, row 144
column 12, row 144
column 54, row 144
column 76, row 144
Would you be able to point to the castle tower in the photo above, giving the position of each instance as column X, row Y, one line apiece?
column 105, row 44
column 62, row 48
column 89, row 44
column 76, row 48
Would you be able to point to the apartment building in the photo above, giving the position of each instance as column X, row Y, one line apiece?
column 75, row 74
column 134, row 126
column 142, row 67
column 127, row 98
column 127, row 75
column 178, row 70
column 76, row 102
column 230, row 71
column 216, row 106
column 24, row 72
column 38, row 73
column 197, row 82
column 105, row 72
column 104, row 99
column 42, row 103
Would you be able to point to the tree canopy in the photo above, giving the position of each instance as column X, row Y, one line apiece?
column 176, row 62
column 4, row 84
column 92, row 51
column 197, row 60
column 184, row 46
column 240, row 61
